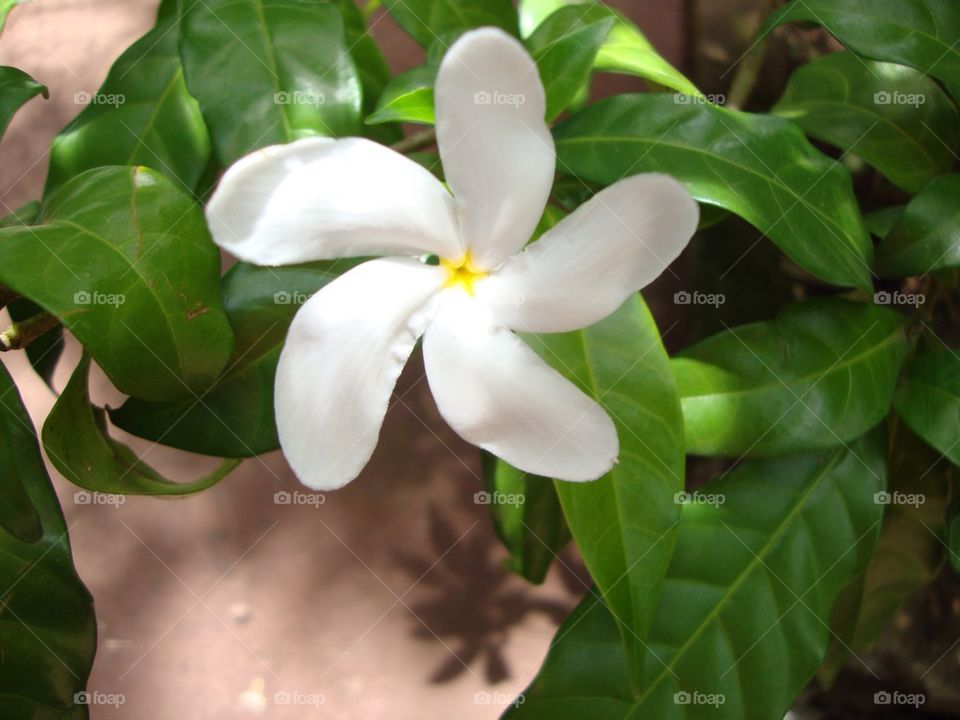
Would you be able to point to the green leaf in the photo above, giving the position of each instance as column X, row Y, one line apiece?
column 820, row 374
column 909, row 551
column 234, row 418
column 16, row 87
column 141, row 115
column 408, row 98
column 925, row 237
column 5, row 7
column 928, row 401
column 624, row 523
column 893, row 117
column 425, row 20
column 919, row 33
column 881, row 222
column 527, row 516
column 742, row 615
column 565, row 47
column 49, row 633
column 76, row 440
column 124, row 259
column 268, row 72
column 761, row 168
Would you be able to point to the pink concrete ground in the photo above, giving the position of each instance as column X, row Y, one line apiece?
column 388, row 601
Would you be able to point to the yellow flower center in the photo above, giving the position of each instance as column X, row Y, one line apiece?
column 462, row 273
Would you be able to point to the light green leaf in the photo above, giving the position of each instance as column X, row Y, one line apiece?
column 49, row 634
column 919, row 33
column 761, row 168
column 76, row 440
column 141, row 115
column 741, row 621
column 426, row 20
column 16, row 88
column 234, row 418
column 820, row 374
column 928, row 401
column 892, row 116
column 5, row 7
column 927, row 235
column 124, row 259
column 269, row 71
column 408, row 98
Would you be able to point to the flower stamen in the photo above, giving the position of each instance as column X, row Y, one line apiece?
column 462, row 273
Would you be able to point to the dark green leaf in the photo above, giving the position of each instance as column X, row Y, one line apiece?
column 234, row 418
column 269, row 71
column 425, row 20
column 928, row 401
column 16, row 87
column 925, row 237
column 820, row 374
column 881, row 222
column 919, row 33
column 761, row 168
column 124, row 259
column 49, row 634
column 141, row 115
column 894, row 117
column 408, row 98
column 76, row 440
column 741, row 620
column 624, row 523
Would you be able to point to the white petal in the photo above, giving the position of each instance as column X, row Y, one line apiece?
column 495, row 392
column 497, row 151
column 585, row 267
column 342, row 357
column 319, row 198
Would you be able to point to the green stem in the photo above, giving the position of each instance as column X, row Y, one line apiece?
column 745, row 79
column 417, row 141
column 21, row 334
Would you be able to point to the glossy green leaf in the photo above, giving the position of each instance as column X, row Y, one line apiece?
column 141, row 115
column 16, row 88
column 894, row 117
column 928, row 400
column 426, row 20
column 526, row 515
column 626, row 50
column 925, row 237
column 919, row 33
column 741, row 621
column 761, row 168
column 909, row 551
column 269, row 71
column 881, row 222
column 624, row 523
column 565, row 47
column 76, row 440
column 49, row 635
column 820, row 374
column 234, row 418
column 408, row 98
column 124, row 259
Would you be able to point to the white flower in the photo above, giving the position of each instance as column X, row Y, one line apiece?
column 320, row 198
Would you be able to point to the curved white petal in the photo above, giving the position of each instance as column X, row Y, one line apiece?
column 495, row 392
column 584, row 268
column 497, row 151
column 339, row 364
column 319, row 199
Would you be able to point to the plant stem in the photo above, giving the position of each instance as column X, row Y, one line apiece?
column 21, row 334
column 417, row 141
column 745, row 79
